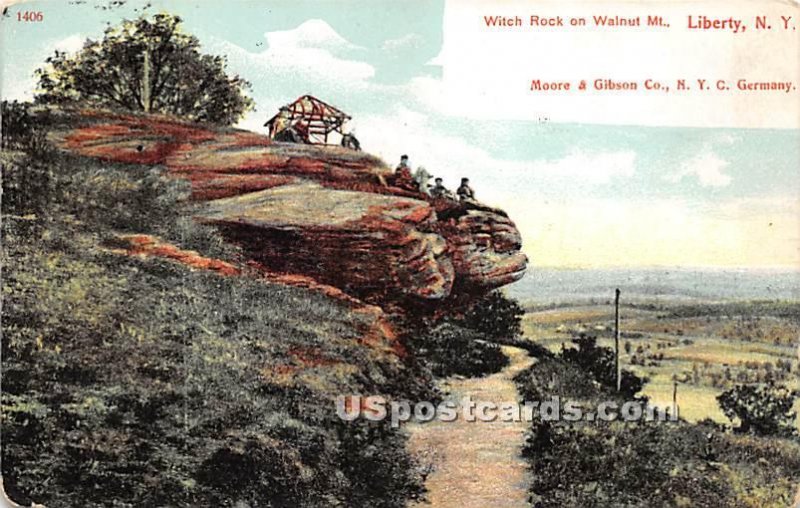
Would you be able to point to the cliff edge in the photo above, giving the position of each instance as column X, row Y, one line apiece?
column 323, row 212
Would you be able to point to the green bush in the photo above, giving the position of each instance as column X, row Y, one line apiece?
column 449, row 349
column 619, row 464
column 21, row 128
column 496, row 316
column 106, row 199
column 555, row 376
column 599, row 363
column 642, row 464
column 134, row 381
column 765, row 410
column 465, row 342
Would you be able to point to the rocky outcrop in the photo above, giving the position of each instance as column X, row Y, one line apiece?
column 375, row 246
column 322, row 212
column 486, row 245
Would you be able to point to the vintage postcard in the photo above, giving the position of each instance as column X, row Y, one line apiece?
column 373, row 253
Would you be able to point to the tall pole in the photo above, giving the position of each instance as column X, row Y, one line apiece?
column 616, row 342
column 146, row 80
column 675, row 400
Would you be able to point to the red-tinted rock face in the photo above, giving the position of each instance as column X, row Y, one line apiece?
column 322, row 212
column 375, row 246
column 486, row 249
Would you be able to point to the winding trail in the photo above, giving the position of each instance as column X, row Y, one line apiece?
column 476, row 464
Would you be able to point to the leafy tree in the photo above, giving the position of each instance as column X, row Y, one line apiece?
column 147, row 65
column 467, row 342
column 448, row 349
column 764, row 410
column 496, row 316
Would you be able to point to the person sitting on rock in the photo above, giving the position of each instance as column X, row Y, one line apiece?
column 465, row 192
column 421, row 178
column 439, row 191
column 403, row 177
column 280, row 123
column 350, row 141
column 403, row 170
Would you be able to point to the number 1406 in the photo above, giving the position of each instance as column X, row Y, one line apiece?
column 32, row 16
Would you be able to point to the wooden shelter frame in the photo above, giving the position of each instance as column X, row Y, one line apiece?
column 313, row 119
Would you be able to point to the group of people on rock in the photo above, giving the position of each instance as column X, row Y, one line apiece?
column 419, row 181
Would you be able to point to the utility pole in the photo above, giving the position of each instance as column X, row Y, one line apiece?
column 675, row 400
column 146, row 80
column 616, row 342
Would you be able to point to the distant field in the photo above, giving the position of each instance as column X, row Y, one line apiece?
column 705, row 348
column 671, row 285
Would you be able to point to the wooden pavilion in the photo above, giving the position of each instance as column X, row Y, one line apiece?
column 307, row 120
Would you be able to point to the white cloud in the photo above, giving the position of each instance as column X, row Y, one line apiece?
column 707, row 167
column 312, row 34
column 437, row 60
column 408, row 41
column 407, row 131
column 311, row 58
column 293, row 54
column 593, row 168
column 314, row 58
column 70, row 44
column 428, row 91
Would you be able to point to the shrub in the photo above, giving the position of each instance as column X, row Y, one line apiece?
column 623, row 464
column 599, row 363
column 466, row 343
column 765, row 410
column 117, row 369
column 106, row 199
column 496, row 316
column 450, row 349
column 555, row 376
column 21, row 129
column 644, row 463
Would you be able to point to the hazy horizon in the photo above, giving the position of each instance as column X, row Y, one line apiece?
column 570, row 285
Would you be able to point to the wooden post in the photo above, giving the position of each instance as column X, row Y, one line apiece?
column 675, row 400
column 616, row 342
column 146, row 81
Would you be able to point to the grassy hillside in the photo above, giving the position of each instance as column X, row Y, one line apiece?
column 706, row 349
column 139, row 381
column 644, row 463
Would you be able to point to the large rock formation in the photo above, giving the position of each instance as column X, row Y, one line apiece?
column 322, row 212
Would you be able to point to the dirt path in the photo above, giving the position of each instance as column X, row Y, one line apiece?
column 476, row 464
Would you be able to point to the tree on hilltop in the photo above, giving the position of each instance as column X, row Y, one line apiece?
column 146, row 64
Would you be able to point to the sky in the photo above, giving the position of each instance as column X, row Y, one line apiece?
column 590, row 194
